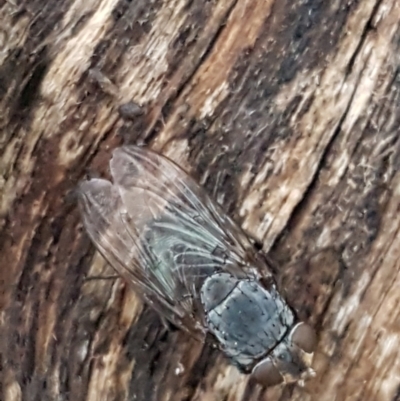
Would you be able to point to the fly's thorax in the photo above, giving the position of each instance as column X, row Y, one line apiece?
column 247, row 319
column 290, row 361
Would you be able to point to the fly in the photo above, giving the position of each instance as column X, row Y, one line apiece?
column 195, row 266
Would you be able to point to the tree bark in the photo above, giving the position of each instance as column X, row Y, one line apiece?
column 287, row 112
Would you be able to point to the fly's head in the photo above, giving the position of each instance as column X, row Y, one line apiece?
column 290, row 361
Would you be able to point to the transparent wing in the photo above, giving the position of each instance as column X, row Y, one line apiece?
column 159, row 230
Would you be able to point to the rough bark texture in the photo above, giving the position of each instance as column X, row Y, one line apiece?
column 287, row 111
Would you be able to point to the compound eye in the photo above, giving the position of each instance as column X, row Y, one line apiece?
column 266, row 373
column 304, row 337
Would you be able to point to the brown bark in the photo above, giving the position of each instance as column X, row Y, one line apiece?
column 286, row 111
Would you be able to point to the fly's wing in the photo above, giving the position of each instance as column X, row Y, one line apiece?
column 104, row 217
column 162, row 233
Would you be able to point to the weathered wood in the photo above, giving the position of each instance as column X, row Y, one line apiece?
column 286, row 111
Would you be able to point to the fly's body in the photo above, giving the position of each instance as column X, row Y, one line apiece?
column 187, row 259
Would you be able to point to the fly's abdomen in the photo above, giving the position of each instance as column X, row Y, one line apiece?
column 247, row 319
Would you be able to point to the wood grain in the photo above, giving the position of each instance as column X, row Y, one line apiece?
column 287, row 112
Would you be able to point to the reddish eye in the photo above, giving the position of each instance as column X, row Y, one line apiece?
column 266, row 373
column 304, row 337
